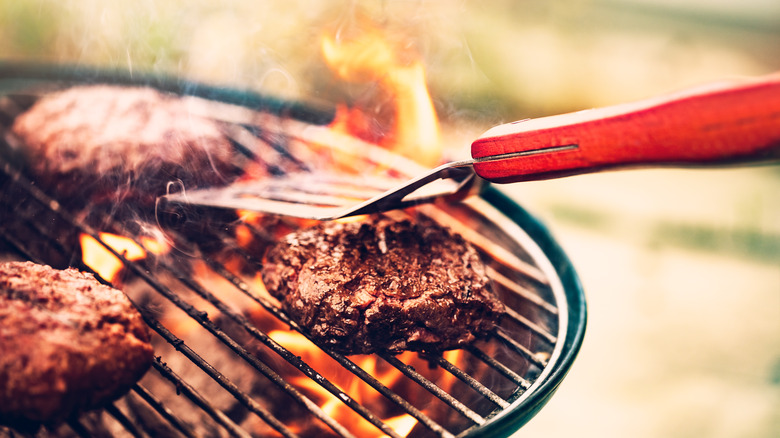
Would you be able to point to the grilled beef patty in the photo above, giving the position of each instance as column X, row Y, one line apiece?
column 360, row 287
column 68, row 343
column 112, row 144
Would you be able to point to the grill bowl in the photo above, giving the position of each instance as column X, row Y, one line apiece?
column 509, row 228
column 522, row 410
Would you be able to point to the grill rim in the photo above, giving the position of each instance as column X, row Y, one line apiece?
column 522, row 410
column 533, row 399
column 27, row 73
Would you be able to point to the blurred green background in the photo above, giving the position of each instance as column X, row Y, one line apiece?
column 681, row 267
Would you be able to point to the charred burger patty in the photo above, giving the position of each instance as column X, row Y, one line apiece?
column 68, row 343
column 114, row 144
column 390, row 285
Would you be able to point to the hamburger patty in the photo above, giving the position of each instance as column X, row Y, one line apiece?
column 360, row 287
column 68, row 343
column 111, row 143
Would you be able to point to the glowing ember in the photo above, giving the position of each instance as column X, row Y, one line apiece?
column 244, row 236
column 371, row 57
column 357, row 389
column 106, row 264
column 101, row 260
column 367, row 56
column 155, row 246
column 402, row 424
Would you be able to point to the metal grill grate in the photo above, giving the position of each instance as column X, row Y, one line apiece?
column 488, row 378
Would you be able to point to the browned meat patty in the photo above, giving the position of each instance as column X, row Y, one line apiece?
column 68, row 343
column 112, row 143
column 361, row 287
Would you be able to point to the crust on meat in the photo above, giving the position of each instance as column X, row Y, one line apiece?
column 69, row 343
column 360, row 287
column 113, row 143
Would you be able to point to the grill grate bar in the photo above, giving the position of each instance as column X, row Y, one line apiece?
column 254, row 141
column 275, row 143
column 463, row 376
column 245, row 399
column 78, row 427
column 19, row 247
column 123, row 420
column 525, row 352
column 261, row 235
column 153, row 323
column 522, row 320
column 251, row 146
column 344, row 361
column 217, row 376
column 164, row 412
column 498, row 366
column 469, row 414
column 388, row 393
column 289, row 357
column 470, row 381
column 30, row 226
column 433, row 388
column 23, row 251
column 486, row 244
column 521, row 291
column 183, row 387
column 54, row 243
column 145, row 394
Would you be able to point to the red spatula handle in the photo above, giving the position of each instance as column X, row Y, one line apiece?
column 716, row 124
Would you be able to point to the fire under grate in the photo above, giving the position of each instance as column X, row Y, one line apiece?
column 221, row 367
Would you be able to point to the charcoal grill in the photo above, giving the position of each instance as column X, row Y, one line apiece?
column 226, row 374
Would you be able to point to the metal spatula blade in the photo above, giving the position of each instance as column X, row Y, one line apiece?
column 725, row 123
column 327, row 196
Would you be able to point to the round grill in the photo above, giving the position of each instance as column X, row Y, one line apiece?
column 231, row 363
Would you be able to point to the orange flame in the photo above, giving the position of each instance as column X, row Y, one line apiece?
column 155, row 246
column 365, row 56
column 402, row 424
column 360, row 391
column 106, row 264
column 371, row 57
column 101, row 260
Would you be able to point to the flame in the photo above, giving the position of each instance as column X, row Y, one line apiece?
column 364, row 56
column 360, row 391
column 106, row 264
column 244, row 235
column 101, row 260
column 402, row 424
column 154, row 245
column 370, row 56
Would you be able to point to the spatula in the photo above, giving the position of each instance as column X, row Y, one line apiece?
column 723, row 123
